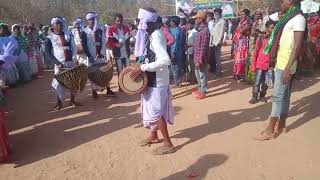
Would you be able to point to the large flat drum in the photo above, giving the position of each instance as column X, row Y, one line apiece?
column 74, row 79
column 132, row 87
column 101, row 73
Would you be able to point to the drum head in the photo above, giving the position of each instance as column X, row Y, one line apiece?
column 132, row 87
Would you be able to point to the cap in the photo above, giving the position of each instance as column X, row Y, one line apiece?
column 200, row 14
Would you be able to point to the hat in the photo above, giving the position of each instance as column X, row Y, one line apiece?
column 200, row 14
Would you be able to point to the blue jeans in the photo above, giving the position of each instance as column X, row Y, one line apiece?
column 176, row 72
column 281, row 95
column 201, row 75
column 260, row 86
column 121, row 64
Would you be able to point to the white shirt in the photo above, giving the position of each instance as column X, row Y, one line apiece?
column 210, row 26
column 91, row 42
column 162, row 62
column 58, row 48
column 76, row 35
column 217, row 32
column 192, row 38
column 123, row 49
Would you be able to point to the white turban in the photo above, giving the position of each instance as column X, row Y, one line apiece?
column 14, row 26
column 144, row 17
column 64, row 28
column 93, row 16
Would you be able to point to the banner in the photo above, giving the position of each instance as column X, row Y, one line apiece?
column 190, row 5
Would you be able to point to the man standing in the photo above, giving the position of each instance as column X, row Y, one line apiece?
column 211, row 21
column 201, row 54
column 216, row 40
column 94, row 45
column 156, row 102
column 119, row 41
column 176, row 50
column 61, row 50
column 284, row 47
column 191, row 41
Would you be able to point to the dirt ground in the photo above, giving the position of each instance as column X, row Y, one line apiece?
column 213, row 136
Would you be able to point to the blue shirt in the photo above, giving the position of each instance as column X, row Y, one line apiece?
column 176, row 47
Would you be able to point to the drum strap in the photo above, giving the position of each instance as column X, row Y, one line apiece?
column 66, row 45
column 98, row 40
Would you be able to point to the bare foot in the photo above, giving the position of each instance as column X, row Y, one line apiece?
column 148, row 142
column 265, row 135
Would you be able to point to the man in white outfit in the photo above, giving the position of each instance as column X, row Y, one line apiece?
column 93, row 41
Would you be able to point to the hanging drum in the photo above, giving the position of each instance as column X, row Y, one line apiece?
column 132, row 87
column 101, row 73
column 74, row 79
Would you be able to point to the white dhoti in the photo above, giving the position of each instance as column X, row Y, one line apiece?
column 156, row 103
column 59, row 89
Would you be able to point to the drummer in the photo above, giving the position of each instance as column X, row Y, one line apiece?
column 94, row 45
column 61, row 50
column 76, row 32
column 156, row 101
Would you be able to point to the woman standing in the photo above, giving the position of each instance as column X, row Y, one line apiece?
column 241, row 45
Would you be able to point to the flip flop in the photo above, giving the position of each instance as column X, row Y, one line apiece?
column 162, row 150
column 264, row 137
column 147, row 142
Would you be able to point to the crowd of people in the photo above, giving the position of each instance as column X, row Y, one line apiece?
column 265, row 48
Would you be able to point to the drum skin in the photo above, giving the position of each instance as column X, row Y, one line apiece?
column 101, row 73
column 132, row 87
column 74, row 79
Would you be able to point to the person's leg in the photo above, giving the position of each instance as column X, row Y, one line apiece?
column 192, row 70
column 285, row 109
column 212, row 60
column 162, row 124
column 264, row 86
column 58, row 105
column 73, row 102
column 203, row 79
column 119, row 66
column 256, row 87
column 217, row 56
column 175, row 73
column 277, row 106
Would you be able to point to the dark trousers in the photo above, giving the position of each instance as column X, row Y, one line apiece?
column 212, row 60
column 260, row 86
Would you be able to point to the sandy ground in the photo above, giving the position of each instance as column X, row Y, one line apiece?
column 213, row 136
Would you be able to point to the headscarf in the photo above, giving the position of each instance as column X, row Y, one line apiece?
column 94, row 16
column 145, row 17
column 79, row 22
column 64, row 24
column 14, row 26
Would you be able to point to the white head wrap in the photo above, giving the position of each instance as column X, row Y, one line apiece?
column 94, row 16
column 64, row 28
column 144, row 17
column 14, row 26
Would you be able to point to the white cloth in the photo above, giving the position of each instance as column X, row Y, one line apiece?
column 191, row 40
column 217, row 32
column 122, row 38
column 7, row 47
column 91, row 42
column 162, row 61
column 210, row 26
column 156, row 103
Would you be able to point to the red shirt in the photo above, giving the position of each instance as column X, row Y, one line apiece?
column 259, row 59
column 167, row 35
column 201, row 49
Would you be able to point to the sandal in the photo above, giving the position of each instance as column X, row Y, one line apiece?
column 263, row 136
column 162, row 150
column 148, row 142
